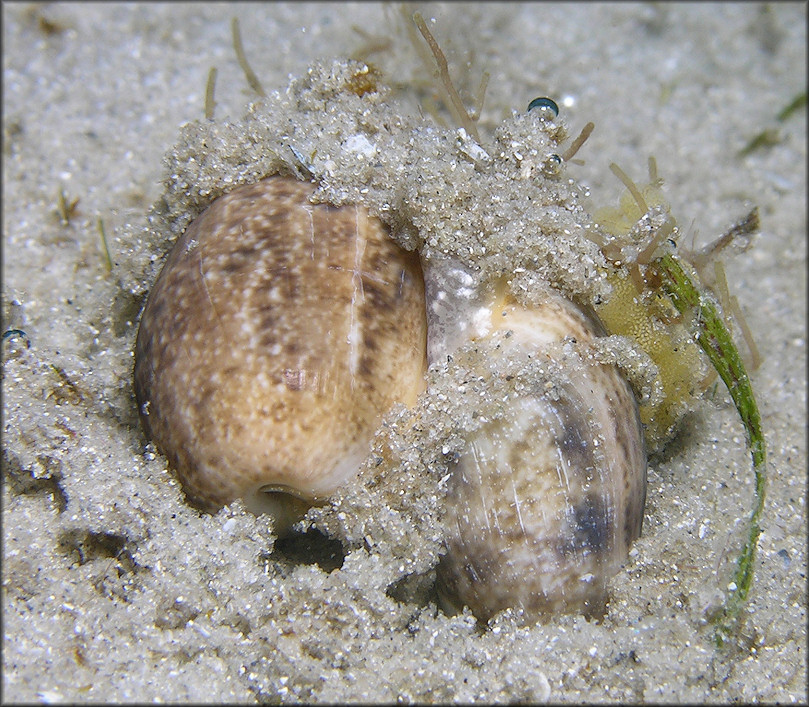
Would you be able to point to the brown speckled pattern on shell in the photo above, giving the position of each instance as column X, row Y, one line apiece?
column 548, row 495
column 276, row 336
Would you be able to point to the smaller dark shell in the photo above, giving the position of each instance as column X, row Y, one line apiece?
column 548, row 495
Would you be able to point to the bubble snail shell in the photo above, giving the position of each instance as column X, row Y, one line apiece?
column 548, row 494
column 276, row 336
column 281, row 331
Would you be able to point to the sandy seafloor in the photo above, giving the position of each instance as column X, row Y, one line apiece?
column 115, row 590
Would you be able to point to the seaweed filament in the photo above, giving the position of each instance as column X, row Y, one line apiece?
column 673, row 282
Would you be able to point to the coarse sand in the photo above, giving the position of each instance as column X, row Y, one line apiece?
column 115, row 590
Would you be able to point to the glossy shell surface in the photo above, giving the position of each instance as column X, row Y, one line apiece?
column 548, row 494
column 277, row 335
column 280, row 332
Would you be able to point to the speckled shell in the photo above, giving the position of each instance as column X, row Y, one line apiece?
column 547, row 496
column 277, row 335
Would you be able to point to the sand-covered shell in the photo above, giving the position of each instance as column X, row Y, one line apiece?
column 277, row 335
column 280, row 332
column 548, row 493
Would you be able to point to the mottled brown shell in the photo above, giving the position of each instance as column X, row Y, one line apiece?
column 277, row 335
column 548, row 495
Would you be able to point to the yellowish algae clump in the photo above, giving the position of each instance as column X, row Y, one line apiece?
column 679, row 360
column 639, row 310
